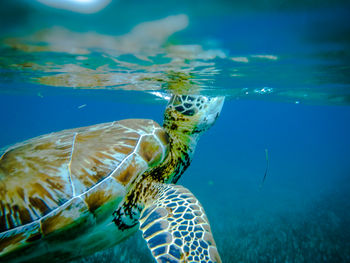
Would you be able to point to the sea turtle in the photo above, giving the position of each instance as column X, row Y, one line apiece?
column 68, row 194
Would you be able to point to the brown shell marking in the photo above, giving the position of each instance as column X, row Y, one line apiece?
column 6, row 242
column 41, row 174
column 97, row 152
column 133, row 166
column 33, row 179
column 64, row 217
column 109, row 192
column 162, row 136
column 12, row 240
column 82, row 213
column 150, row 150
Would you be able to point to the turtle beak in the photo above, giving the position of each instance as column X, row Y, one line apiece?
column 212, row 112
column 215, row 106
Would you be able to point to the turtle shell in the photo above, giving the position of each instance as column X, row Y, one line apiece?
column 53, row 181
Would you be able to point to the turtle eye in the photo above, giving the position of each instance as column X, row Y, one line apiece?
column 190, row 112
column 179, row 108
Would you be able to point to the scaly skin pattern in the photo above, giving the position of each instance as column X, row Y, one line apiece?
column 151, row 188
column 143, row 190
column 172, row 220
column 176, row 228
column 183, row 124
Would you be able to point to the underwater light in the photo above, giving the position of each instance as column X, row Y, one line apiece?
column 80, row 6
column 84, row 1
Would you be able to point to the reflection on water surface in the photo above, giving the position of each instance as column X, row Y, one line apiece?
column 148, row 56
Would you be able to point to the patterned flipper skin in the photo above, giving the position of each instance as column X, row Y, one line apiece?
column 176, row 228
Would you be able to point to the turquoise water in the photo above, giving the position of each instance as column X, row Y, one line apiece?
column 283, row 67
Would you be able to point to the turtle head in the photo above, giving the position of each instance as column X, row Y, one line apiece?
column 192, row 114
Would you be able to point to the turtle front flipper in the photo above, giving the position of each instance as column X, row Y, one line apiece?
column 176, row 228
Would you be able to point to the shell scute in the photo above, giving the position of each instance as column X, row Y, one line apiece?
column 19, row 237
column 150, row 150
column 131, row 167
column 97, row 152
column 27, row 175
column 104, row 196
column 8, row 241
column 141, row 126
column 65, row 217
column 61, row 178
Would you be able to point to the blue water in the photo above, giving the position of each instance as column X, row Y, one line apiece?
column 292, row 101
